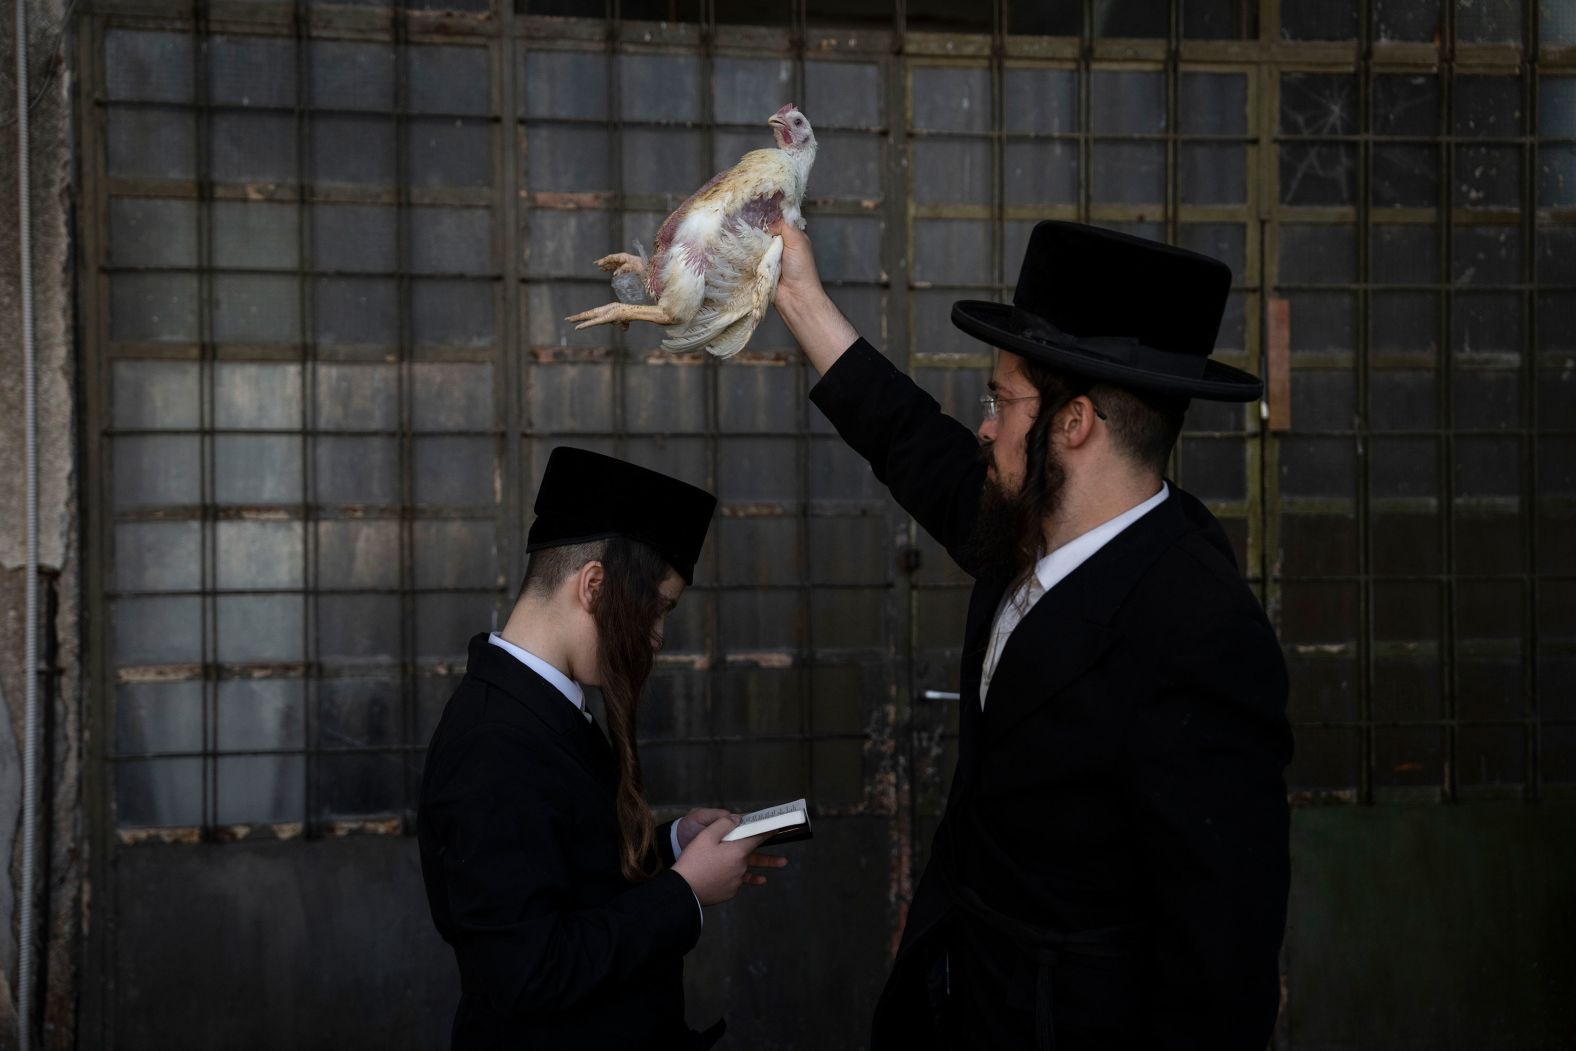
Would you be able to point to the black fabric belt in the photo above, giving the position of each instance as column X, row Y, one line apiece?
column 1044, row 947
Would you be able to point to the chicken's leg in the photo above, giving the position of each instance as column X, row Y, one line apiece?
column 622, row 263
column 622, row 313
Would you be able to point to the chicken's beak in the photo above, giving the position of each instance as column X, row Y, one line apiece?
column 775, row 121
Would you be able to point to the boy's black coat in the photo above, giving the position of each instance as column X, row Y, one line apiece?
column 519, row 852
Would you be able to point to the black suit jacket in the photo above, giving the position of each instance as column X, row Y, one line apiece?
column 519, row 853
column 1126, row 772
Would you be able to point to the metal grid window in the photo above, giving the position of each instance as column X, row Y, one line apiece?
column 1422, row 234
column 299, row 449
column 333, row 247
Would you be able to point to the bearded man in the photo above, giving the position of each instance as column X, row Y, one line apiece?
column 1111, row 870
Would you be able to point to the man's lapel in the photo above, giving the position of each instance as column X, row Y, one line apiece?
column 564, row 724
column 983, row 601
column 1070, row 627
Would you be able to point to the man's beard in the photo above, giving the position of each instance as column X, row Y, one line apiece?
column 1009, row 534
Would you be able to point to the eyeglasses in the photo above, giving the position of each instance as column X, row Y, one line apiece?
column 990, row 404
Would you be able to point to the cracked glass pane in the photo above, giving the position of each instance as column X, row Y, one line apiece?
column 147, row 67
column 1404, row 321
column 950, row 99
column 1128, row 173
column 1405, row 254
column 1323, row 254
column 1036, row 17
column 1318, row 174
column 1486, row 323
column 260, row 628
column 1318, row 20
column 356, row 471
column 1488, row 21
column 747, row 91
column 1557, row 25
column 1213, row 104
column 158, row 717
column 1127, row 102
column 842, row 94
column 351, row 786
column 449, row 152
column 1212, row 173
column 1403, row 400
column 669, row 161
column 251, row 71
column 253, row 147
column 1486, row 255
column 158, row 792
column 260, row 713
column 1416, row 20
column 151, row 143
column 259, row 788
column 1318, row 104
column 1406, row 104
column 1131, row 18
column 357, row 713
column 1405, row 176
column 1488, row 177
column 353, row 150
column 569, row 84
column 1488, row 107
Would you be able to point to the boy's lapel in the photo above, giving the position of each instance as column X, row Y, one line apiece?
column 564, row 724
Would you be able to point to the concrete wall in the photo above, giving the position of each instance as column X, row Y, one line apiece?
column 1432, row 927
column 1412, row 928
column 62, row 846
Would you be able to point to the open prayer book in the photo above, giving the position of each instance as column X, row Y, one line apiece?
column 788, row 822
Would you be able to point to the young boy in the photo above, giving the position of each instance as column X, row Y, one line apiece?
column 568, row 912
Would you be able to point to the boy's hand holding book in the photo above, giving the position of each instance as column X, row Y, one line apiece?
column 715, row 870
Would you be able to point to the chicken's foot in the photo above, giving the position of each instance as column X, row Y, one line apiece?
column 623, row 314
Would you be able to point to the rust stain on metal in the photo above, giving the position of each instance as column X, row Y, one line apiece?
column 1327, row 795
column 385, row 827
column 157, row 673
column 557, row 355
column 767, row 358
column 569, row 201
column 1277, row 317
column 131, row 837
column 264, row 671
column 694, row 661
column 757, row 510
column 760, row 659
column 258, row 514
column 662, row 357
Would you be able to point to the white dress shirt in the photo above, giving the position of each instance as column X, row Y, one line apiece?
column 1050, row 571
column 576, row 696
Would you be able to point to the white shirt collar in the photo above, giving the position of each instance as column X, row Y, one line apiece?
column 1055, row 566
column 565, row 685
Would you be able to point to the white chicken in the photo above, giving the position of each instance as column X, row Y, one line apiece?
column 714, row 266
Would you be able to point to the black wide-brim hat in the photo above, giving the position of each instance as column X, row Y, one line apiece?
column 586, row 496
column 1116, row 308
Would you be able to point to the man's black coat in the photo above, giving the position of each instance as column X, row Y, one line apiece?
column 519, row 852
column 1113, row 855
